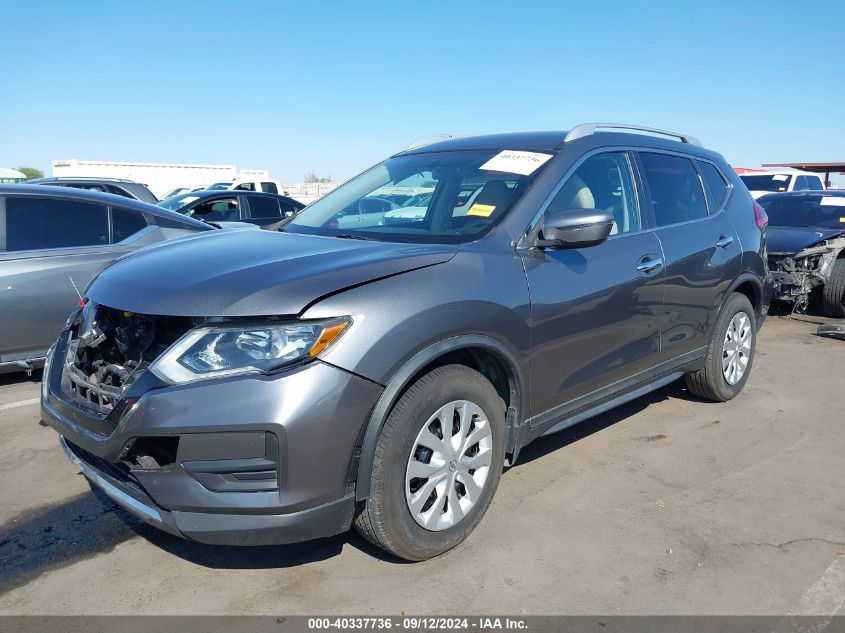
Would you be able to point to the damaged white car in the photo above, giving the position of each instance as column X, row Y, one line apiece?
column 806, row 243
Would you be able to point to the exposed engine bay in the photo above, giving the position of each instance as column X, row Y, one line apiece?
column 796, row 275
column 110, row 348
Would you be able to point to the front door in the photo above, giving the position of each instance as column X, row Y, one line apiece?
column 595, row 311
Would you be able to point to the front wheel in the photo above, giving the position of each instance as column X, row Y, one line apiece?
column 437, row 464
column 730, row 353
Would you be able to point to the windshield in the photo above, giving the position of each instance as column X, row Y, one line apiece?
column 766, row 182
column 175, row 203
column 821, row 211
column 217, row 186
column 454, row 197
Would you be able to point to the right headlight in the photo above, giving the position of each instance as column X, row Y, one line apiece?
column 214, row 352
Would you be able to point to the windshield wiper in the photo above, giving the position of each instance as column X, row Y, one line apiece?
column 353, row 236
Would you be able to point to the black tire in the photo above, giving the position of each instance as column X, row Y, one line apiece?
column 833, row 292
column 709, row 382
column 385, row 520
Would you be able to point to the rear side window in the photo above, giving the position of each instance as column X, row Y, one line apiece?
column 264, row 208
column 38, row 223
column 269, row 187
column 125, row 223
column 714, row 185
column 674, row 187
column 814, row 183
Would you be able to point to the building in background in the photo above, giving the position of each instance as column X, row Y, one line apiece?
column 159, row 177
column 11, row 175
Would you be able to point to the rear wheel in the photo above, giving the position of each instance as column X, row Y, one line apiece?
column 833, row 292
column 437, row 465
column 730, row 353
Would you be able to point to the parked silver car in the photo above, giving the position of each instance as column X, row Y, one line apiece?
column 53, row 242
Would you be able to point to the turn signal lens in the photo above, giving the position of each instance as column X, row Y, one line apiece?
column 328, row 337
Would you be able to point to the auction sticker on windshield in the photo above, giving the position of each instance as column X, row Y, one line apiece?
column 515, row 162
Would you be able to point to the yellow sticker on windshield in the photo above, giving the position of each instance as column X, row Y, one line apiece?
column 842, row 220
column 483, row 210
column 781, row 188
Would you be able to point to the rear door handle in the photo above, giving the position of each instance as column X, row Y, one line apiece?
column 724, row 241
column 649, row 264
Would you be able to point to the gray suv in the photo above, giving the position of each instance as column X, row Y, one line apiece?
column 255, row 387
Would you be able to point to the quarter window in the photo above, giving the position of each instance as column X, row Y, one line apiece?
column 38, row 223
column 714, row 185
column 117, row 191
column 602, row 182
column 674, row 187
column 125, row 223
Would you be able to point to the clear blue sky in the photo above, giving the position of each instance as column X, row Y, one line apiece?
column 336, row 86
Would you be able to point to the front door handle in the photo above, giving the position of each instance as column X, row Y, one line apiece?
column 649, row 264
column 724, row 241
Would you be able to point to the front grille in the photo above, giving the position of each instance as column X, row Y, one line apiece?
column 99, row 398
column 110, row 350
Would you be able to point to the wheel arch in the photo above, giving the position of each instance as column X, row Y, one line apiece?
column 482, row 353
column 750, row 286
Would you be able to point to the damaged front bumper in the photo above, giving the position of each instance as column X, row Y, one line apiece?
column 249, row 460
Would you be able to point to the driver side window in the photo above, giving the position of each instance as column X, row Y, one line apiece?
column 605, row 182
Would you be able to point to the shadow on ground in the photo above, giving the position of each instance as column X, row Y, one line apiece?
column 545, row 445
column 18, row 377
column 90, row 524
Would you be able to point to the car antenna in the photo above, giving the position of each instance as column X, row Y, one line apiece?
column 78, row 294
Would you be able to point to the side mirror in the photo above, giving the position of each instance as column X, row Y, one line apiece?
column 575, row 228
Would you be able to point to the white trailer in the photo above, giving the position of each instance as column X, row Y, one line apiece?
column 159, row 177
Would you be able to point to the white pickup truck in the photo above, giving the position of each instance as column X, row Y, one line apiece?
column 764, row 182
column 248, row 184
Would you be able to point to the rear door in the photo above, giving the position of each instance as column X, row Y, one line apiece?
column 47, row 246
column 595, row 311
column 701, row 250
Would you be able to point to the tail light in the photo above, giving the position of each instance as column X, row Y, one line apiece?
column 760, row 216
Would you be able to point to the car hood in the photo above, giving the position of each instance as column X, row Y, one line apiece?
column 791, row 239
column 251, row 273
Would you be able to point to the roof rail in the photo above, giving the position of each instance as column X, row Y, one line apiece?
column 428, row 140
column 586, row 129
